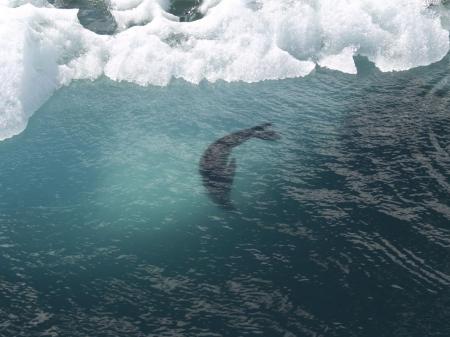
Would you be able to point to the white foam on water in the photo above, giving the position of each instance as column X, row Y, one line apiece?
column 42, row 48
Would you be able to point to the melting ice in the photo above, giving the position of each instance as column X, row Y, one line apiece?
column 44, row 46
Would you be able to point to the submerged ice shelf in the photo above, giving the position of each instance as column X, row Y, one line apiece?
column 44, row 47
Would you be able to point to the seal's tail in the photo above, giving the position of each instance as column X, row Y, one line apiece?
column 264, row 132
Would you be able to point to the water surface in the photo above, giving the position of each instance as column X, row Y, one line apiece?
column 341, row 227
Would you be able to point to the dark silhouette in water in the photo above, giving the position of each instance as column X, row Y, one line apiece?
column 216, row 167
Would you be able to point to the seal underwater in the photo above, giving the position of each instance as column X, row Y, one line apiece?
column 216, row 167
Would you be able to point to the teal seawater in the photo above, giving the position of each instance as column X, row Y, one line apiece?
column 341, row 226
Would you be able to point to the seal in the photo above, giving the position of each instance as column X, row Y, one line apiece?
column 216, row 167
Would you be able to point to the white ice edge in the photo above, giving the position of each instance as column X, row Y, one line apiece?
column 43, row 48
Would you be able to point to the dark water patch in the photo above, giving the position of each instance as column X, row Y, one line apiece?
column 92, row 14
column 186, row 10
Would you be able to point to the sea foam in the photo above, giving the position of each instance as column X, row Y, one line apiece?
column 43, row 48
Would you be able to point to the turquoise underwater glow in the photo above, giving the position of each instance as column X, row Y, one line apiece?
column 106, row 228
column 340, row 227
